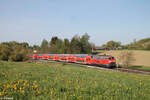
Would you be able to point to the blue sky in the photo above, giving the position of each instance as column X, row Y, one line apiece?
column 104, row 20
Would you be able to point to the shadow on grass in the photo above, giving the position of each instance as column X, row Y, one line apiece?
column 136, row 66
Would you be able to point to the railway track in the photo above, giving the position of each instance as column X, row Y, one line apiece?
column 129, row 70
column 132, row 70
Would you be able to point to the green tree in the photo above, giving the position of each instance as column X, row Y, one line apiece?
column 44, row 46
column 85, row 45
column 57, row 48
column 36, row 47
column 25, row 45
column 53, row 40
column 66, row 46
column 56, row 45
column 75, row 46
column 112, row 44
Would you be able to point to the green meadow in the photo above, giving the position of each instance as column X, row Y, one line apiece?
column 59, row 81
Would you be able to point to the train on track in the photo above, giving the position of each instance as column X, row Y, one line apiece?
column 99, row 60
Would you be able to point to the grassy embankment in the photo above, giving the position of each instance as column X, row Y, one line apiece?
column 55, row 81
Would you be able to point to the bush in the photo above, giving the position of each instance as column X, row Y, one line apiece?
column 19, row 54
column 126, row 58
column 5, row 52
column 15, row 52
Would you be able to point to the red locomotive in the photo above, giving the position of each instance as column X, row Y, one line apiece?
column 101, row 60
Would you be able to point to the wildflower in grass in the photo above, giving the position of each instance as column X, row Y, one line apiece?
column 73, row 94
column 140, row 83
column 51, row 92
column 14, row 87
column 1, row 93
column 22, row 91
column 35, row 86
column 82, row 89
column 7, row 86
column 94, row 83
column 38, row 91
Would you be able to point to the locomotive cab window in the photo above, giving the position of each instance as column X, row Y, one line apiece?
column 111, row 58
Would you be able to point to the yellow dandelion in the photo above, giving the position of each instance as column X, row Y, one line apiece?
column 38, row 91
column 1, row 93
column 15, row 87
column 22, row 91
column 51, row 92
column 20, row 88
column 80, row 97
column 140, row 83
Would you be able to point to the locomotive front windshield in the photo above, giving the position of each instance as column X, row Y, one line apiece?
column 111, row 58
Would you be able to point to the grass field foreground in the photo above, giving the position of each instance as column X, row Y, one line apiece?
column 57, row 81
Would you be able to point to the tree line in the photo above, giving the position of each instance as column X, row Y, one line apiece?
column 143, row 44
column 77, row 45
column 15, row 51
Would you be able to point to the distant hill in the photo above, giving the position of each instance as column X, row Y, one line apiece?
column 140, row 44
column 143, row 41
